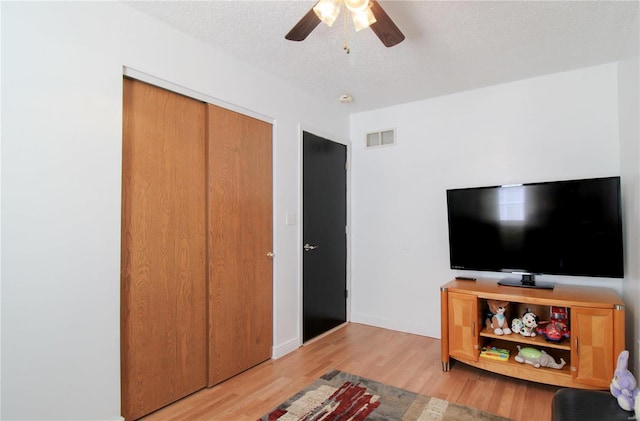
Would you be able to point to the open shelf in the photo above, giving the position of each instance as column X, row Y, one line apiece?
column 525, row 371
column 512, row 347
column 536, row 341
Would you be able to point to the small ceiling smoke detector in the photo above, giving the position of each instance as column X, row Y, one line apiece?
column 346, row 99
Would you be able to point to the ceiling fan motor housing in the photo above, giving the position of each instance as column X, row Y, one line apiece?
column 357, row 5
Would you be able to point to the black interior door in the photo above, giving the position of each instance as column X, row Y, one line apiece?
column 324, row 235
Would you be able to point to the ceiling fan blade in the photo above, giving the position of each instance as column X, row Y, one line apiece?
column 384, row 27
column 304, row 27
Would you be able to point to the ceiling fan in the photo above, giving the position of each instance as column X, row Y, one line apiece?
column 365, row 14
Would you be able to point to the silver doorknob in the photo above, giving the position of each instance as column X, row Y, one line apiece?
column 270, row 255
column 308, row 247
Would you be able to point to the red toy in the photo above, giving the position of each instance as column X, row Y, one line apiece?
column 556, row 329
column 559, row 314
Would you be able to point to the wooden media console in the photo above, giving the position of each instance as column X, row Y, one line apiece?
column 596, row 328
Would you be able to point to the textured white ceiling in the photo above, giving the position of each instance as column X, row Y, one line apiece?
column 450, row 46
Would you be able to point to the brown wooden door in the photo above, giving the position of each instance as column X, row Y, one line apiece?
column 592, row 351
column 463, row 326
column 240, row 242
column 163, row 283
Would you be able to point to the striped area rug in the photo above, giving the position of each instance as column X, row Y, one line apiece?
column 342, row 396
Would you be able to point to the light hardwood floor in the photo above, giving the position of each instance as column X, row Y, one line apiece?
column 411, row 362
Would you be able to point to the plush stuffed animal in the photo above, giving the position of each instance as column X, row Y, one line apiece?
column 537, row 358
column 516, row 325
column 624, row 386
column 530, row 322
column 496, row 318
column 526, row 325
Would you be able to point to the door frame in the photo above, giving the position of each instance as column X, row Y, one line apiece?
column 182, row 90
column 300, row 240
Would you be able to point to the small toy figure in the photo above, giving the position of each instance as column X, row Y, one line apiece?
column 559, row 314
column 526, row 325
column 624, row 386
column 537, row 358
column 552, row 331
column 556, row 329
column 496, row 318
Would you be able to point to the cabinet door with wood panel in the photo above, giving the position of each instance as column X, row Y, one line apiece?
column 463, row 326
column 593, row 356
column 163, row 310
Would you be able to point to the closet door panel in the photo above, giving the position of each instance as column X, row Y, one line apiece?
column 240, row 242
column 163, row 282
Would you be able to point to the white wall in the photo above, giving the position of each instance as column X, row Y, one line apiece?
column 629, row 93
column 62, row 66
column 560, row 126
column 60, row 197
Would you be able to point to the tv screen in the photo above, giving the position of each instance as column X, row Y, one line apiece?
column 565, row 228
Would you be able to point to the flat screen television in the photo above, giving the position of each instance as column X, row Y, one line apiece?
column 571, row 227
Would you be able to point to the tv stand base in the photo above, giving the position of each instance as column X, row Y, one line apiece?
column 528, row 281
column 514, row 282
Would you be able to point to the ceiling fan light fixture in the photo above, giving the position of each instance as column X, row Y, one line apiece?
column 357, row 5
column 364, row 19
column 327, row 10
column 373, row 16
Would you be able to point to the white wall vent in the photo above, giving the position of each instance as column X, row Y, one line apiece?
column 381, row 138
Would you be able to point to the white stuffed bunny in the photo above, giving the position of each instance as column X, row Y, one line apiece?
column 624, row 386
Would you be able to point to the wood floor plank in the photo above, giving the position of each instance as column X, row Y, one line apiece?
column 411, row 362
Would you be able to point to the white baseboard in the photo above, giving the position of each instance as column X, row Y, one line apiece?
column 285, row 348
column 429, row 331
column 292, row 344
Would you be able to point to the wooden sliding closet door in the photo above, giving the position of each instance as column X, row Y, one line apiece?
column 240, row 242
column 163, row 282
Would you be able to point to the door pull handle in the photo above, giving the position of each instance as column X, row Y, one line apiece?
column 308, row 247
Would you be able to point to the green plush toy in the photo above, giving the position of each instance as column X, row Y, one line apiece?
column 537, row 358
